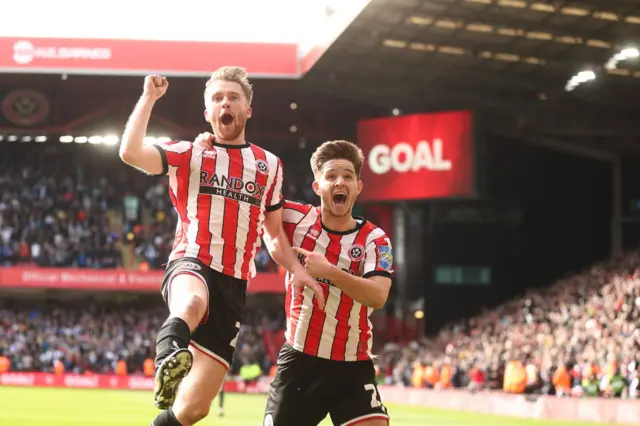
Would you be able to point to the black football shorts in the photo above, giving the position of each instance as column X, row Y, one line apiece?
column 307, row 388
column 217, row 333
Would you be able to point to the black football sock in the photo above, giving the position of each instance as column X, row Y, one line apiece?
column 173, row 330
column 166, row 418
column 221, row 398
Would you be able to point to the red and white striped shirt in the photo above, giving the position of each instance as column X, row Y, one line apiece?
column 343, row 331
column 221, row 195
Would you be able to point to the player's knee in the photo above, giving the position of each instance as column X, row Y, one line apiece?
column 188, row 299
column 194, row 305
column 191, row 308
column 192, row 412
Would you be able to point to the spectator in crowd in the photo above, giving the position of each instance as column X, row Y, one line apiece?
column 101, row 338
column 53, row 215
column 577, row 337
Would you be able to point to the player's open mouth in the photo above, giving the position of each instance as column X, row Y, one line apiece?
column 339, row 198
column 226, row 119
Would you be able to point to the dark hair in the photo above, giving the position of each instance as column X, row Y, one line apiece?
column 337, row 150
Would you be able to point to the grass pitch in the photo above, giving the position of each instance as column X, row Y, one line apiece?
column 81, row 407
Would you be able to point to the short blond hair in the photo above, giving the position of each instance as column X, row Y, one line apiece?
column 337, row 150
column 234, row 74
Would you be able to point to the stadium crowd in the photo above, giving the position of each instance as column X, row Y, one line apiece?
column 578, row 337
column 53, row 215
column 102, row 338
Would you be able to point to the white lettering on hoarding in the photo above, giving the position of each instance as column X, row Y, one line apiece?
column 17, row 379
column 71, row 278
column 140, row 383
column 25, row 52
column 403, row 158
column 33, row 275
column 147, row 279
column 81, row 381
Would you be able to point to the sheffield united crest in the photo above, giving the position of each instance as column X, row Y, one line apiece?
column 262, row 166
column 356, row 253
column 25, row 107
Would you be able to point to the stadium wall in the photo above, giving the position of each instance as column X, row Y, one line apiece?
column 109, row 381
column 612, row 411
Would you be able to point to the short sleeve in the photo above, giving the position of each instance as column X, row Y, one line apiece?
column 294, row 212
column 378, row 258
column 275, row 200
column 174, row 154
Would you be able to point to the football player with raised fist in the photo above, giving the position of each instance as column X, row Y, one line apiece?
column 217, row 236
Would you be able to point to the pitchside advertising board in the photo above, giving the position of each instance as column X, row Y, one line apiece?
column 420, row 156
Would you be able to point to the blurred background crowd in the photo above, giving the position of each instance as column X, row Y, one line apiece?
column 577, row 337
column 83, row 337
column 55, row 215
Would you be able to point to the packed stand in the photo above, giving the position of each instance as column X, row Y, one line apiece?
column 54, row 208
column 579, row 337
column 103, row 338
column 53, row 215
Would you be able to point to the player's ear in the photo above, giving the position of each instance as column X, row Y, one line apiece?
column 206, row 115
column 360, row 185
column 316, row 187
column 249, row 112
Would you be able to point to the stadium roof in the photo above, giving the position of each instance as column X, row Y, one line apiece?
column 510, row 59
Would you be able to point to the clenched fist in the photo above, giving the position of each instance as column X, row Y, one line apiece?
column 155, row 86
column 315, row 263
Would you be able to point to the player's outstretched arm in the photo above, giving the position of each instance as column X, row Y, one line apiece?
column 372, row 291
column 279, row 248
column 133, row 151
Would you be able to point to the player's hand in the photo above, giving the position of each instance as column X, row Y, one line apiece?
column 155, row 86
column 315, row 263
column 205, row 140
column 301, row 279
